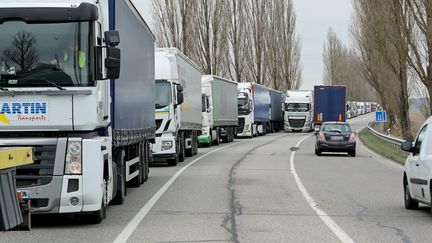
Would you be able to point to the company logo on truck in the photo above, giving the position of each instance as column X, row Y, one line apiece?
column 23, row 112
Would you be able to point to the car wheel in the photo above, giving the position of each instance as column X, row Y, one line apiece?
column 409, row 202
column 318, row 152
column 352, row 153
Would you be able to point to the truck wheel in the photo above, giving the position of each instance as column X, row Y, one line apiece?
column 121, row 181
column 409, row 202
column 217, row 140
column 195, row 143
column 173, row 162
column 181, row 156
column 146, row 153
column 225, row 139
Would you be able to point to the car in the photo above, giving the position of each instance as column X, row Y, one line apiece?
column 418, row 168
column 335, row 137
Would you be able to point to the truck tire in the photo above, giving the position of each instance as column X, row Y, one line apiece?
column 147, row 153
column 409, row 202
column 173, row 162
column 181, row 156
column 225, row 139
column 217, row 140
column 121, row 182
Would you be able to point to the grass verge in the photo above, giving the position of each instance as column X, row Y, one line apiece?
column 381, row 147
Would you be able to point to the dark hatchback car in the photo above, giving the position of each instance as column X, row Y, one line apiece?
column 335, row 137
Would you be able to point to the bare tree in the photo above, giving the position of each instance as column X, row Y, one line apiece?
column 418, row 30
column 257, row 12
column 382, row 42
column 211, row 41
column 173, row 20
column 22, row 51
column 236, row 30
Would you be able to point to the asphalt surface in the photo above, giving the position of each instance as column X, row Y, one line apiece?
column 247, row 192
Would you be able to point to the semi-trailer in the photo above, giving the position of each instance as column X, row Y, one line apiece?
column 178, row 106
column 298, row 110
column 90, row 125
column 219, row 115
column 329, row 104
column 253, row 109
column 276, row 111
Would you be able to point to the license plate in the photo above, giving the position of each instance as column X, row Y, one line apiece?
column 25, row 194
column 336, row 138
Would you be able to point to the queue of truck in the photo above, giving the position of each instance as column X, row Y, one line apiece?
column 99, row 103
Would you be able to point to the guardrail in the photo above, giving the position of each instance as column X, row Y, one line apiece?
column 387, row 138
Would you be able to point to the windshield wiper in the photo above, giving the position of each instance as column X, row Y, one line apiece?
column 49, row 82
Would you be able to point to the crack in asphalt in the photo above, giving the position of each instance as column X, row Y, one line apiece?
column 360, row 217
column 236, row 209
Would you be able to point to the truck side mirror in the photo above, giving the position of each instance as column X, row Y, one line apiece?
column 112, row 38
column 179, row 88
column 180, row 98
column 112, row 63
column 407, row 146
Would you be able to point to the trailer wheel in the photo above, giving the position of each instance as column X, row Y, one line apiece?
column 121, row 181
column 147, row 153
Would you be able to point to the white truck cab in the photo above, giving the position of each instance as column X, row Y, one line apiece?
column 418, row 168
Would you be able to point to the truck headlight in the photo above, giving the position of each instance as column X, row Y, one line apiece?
column 73, row 158
column 166, row 145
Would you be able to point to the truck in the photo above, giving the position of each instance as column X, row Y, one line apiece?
column 276, row 111
column 329, row 104
column 298, row 110
column 90, row 125
column 178, row 106
column 219, row 115
column 253, row 109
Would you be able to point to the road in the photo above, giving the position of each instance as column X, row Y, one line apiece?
column 256, row 190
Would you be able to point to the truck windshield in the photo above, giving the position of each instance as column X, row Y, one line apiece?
column 163, row 94
column 244, row 107
column 38, row 55
column 299, row 107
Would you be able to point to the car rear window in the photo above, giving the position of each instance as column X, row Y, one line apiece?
column 336, row 128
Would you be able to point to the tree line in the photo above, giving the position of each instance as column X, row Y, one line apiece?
column 392, row 53
column 252, row 40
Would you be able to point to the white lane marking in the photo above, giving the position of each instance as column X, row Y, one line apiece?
column 133, row 224
column 323, row 215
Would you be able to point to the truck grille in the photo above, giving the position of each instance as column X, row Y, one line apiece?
column 296, row 123
column 41, row 171
column 241, row 123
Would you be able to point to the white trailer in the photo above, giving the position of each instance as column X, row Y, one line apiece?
column 219, row 110
column 178, row 106
column 298, row 110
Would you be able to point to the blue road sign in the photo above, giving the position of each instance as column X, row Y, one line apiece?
column 380, row 116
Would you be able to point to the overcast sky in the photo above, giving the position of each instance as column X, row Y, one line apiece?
column 314, row 18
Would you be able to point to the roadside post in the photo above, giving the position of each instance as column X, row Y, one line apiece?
column 11, row 214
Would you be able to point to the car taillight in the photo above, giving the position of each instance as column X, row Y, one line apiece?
column 321, row 136
column 352, row 137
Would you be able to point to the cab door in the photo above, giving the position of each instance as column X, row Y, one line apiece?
column 414, row 161
column 425, row 168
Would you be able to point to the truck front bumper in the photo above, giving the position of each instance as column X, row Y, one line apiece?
column 164, row 147
column 305, row 128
